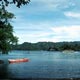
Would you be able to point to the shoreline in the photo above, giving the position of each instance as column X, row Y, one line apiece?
column 39, row 78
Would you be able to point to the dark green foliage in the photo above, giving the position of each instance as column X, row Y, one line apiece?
column 6, row 37
column 18, row 3
column 49, row 46
column 6, row 32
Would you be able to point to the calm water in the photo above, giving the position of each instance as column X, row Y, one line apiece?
column 42, row 64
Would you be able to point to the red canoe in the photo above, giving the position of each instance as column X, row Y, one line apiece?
column 18, row 60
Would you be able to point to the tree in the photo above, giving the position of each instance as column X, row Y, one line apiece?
column 7, row 39
column 18, row 3
column 6, row 32
column 4, row 3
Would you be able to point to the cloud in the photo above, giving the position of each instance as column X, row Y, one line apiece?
column 53, row 5
column 54, row 34
column 34, row 22
column 32, row 37
column 72, row 14
column 41, row 6
column 67, row 33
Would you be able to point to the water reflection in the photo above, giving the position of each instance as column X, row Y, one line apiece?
column 41, row 65
column 4, row 70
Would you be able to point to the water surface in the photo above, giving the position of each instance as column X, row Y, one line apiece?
column 42, row 64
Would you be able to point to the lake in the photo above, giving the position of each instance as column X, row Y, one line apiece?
column 42, row 64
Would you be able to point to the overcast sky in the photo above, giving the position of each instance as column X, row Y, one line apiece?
column 47, row 20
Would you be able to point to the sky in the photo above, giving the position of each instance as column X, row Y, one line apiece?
column 47, row 20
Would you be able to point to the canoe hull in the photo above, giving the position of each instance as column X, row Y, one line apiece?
column 18, row 60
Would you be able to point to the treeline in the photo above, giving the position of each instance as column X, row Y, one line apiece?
column 48, row 46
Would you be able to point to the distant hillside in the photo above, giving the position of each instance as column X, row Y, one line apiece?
column 49, row 46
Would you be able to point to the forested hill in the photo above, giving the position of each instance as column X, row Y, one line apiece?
column 49, row 46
